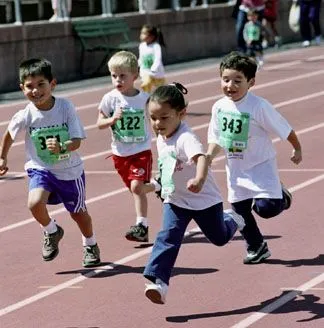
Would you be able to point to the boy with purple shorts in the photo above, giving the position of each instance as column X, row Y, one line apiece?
column 53, row 132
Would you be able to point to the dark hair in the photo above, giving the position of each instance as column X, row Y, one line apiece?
column 35, row 67
column 171, row 94
column 239, row 62
column 156, row 33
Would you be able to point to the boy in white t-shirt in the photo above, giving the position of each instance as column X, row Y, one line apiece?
column 123, row 109
column 241, row 124
column 53, row 133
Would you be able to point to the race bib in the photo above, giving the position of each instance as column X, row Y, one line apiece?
column 148, row 61
column 167, row 164
column 233, row 130
column 131, row 127
column 39, row 137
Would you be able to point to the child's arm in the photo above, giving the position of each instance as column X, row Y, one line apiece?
column 196, row 184
column 104, row 122
column 212, row 151
column 297, row 151
column 6, row 143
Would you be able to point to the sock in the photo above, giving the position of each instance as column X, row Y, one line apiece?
column 141, row 220
column 51, row 227
column 89, row 241
column 157, row 186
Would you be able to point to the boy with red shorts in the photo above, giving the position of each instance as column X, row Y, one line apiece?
column 123, row 109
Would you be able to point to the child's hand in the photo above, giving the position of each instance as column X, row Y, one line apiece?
column 53, row 145
column 195, row 185
column 296, row 156
column 3, row 166
column 117, row 114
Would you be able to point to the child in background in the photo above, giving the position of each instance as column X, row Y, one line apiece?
column 272, row 37
column 188, row 189
column 252, row 34
column 242, row 124
column 123, row 109
column 53, row 133
column 150, row 58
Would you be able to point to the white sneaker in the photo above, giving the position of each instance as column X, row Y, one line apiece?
column 156, row 292
column 318, row 40
column 306, row 43
column 239, row 220
column 54, row 18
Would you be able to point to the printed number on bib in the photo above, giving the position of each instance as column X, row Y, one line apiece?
column 148, row 61
column 233, row 130
column 39, row 138
column 131, row 127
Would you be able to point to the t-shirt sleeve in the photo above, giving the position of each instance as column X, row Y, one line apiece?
column 191, row 145
column 157, row 57
column 272, row 121
column 212, row 128
column 16, row 124
column 105, row 105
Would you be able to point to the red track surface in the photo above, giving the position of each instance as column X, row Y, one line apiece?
column 210, row 286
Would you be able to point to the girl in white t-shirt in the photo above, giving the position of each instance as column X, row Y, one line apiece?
column 150, row 58
column 188, row 189
column 242, row 124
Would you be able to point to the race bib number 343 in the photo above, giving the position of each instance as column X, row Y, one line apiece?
column 233, row 130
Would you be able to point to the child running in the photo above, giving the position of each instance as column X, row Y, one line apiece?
column 150, row 58
column 53, row 133
column 123, row 109
column 188, row 189
column 242, row 124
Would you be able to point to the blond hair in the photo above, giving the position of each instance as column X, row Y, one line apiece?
column 123, row 60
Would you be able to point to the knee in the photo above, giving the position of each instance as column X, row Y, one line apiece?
column 34, row 204
column 267, row 208
column 136, row 187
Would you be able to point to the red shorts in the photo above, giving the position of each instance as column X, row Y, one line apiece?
column 134, row 167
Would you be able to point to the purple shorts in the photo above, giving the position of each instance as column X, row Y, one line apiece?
column 69, row 192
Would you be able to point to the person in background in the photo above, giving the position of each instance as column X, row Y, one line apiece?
column 271, row 37
column 242, row 124
column 310, row 13
column 150, row 58
column 61, row 9
column 241, row 18
column 53, row 133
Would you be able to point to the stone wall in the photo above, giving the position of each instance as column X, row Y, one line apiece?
column 189, row 34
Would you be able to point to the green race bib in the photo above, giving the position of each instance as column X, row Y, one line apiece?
column 167, row 164
column 131, row 127
column 233, row 130
column 254, row 33
column 148, row 61
column 39, row 137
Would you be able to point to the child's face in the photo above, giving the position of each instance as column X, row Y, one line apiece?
column 145, row 36
column 253, row 18
column 123, row 80
column 234, row 84
column 164, row 119
column 39, row 91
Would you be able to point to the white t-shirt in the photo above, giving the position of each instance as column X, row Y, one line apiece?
column 41, row 124
column 184, row 144
column 150, row 60
column 134, row 119
column 251, row 158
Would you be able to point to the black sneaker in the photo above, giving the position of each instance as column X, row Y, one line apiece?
column 137, row 233
column 91, row 256
column 257, row 256
column 287, row 196
column 50, row 244
column 157, row 178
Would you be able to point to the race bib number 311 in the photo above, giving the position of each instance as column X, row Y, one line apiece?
column 233, row 130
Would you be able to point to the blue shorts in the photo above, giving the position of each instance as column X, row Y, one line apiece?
column 69, row 192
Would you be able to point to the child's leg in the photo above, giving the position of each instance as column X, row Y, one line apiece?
column 216, row 225
column 37, row 204
column 167, row 243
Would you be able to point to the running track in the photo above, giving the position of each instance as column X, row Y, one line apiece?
column 210, row 286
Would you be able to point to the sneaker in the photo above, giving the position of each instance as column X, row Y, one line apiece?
column 137, row 233
column 238, row 219
column 158, row 186
column 257, row 256
column 287, row 197
column 318, row 40
column 50, row 244
column 156, row 292
column 306, row 43
column 91, row 256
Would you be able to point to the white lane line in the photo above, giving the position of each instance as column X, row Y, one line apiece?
column 113, row 193
column 255, row 317
column 279, row 302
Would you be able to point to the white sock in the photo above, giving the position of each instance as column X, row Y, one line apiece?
column 142, row 220
column 51, row 227
column 157, row 186
column 91, row 241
